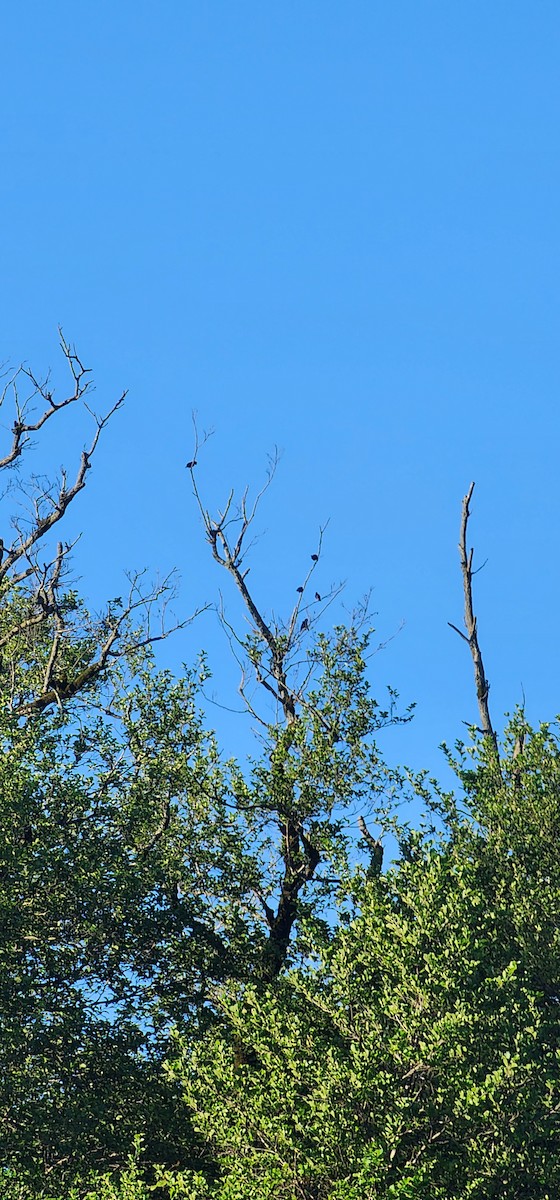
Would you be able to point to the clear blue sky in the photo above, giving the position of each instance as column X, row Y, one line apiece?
column 334, row 227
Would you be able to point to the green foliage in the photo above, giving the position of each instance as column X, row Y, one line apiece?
column 204, row 994
column 409, row 1044
column 138, row 876
column 129, row 1185
column 87, row 931
column 422, row 1057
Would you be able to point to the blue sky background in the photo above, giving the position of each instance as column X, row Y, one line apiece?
column 330, row 227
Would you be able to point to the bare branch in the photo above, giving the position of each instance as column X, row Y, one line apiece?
column 56, row 505
column 249, row 707
column 230, row 556
column 22, row 427
column 193, row 462
column 40, row 613
column 296, row 610
column 482, row 685
column 60, row 686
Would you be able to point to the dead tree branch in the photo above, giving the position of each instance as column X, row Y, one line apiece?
column 229, row 554
column 48, row 505
column 60, row 686
column 471, row 636
column 51, row 650
column 270, row 651
column 56, row 504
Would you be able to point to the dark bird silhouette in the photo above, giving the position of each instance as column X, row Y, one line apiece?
column 315, row 558
column 28, row 835
column 300, row 590
column 304, row 625
column 191, row 464
column 317, row 596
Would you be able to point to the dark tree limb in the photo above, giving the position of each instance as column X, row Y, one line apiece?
column 481, row 682
column 375, row 848
column 301, row 860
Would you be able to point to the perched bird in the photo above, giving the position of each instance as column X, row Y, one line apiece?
column 191, row 464
column 315, row 557
column 304, row 625
column 317, row 596
column 300, row 590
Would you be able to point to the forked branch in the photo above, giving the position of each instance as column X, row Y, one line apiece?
column 228, row 551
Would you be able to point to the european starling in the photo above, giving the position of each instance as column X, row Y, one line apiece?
column 304, row 625
column 315, row 558
column 191, row 464
column 300, row 590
